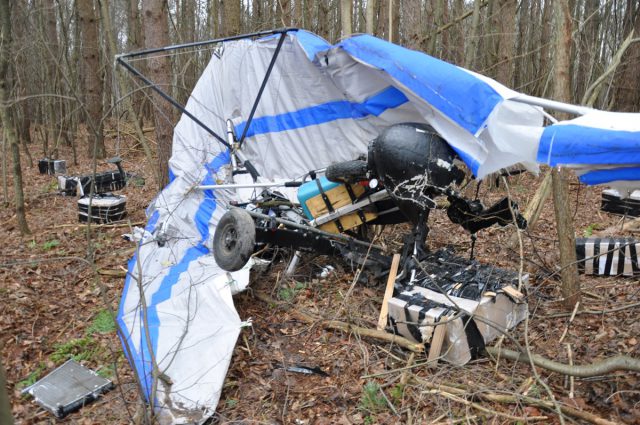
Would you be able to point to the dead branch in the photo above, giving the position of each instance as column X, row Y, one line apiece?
column 628, row 227
column 343, row 326
column 519, row 399
column 603, row 367
column 451, row 23
column 611, row 310
column 112, row 272
column 486, row 410
column 593, row 91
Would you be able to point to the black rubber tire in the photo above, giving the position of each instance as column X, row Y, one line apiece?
column 234, row 240
column 347, row 172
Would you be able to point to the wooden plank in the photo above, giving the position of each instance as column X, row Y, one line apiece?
column 338, row 196
column 435, row 347
column 388, row 293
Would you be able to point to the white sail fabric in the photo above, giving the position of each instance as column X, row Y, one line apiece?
column 322, row 104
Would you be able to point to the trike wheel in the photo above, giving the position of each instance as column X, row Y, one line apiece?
column 234, row 240
column 347, row 172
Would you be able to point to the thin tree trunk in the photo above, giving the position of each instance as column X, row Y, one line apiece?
column 92, row 77
column 5, row 406
column 545, row 44
column 564, row 222
column 345, row 15
column 627, row 90
column 231, row 17
column 472, row 50
column 412, row 24
column 370, row 24
column 156, row 34
column 506, row 41
column 104, row 12
column 5, row 113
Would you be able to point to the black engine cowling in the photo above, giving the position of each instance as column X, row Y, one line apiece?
column 415, row 165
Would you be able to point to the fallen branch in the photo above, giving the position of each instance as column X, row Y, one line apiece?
column 603, row 367
column 519, row 399
column 112, row 272
column 611, row 310
column 99, row 226
column 343, row 326
column 477, row 406
column 631, row 226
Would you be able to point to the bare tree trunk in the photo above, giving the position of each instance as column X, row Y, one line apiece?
column 345, row 15
column 562, row 92
column 323, row 18
column 506, row 41
column 5, row 113
column 472, row 50
column 545, row 44
column 156, row 34
column 231, row 17
column 5, row 407
column 412, row 24
column 394, row 21
column 370, row 24
column 627, row 90
column 92, row 77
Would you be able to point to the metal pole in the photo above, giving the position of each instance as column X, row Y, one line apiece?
column 262, row 86
column 239, row 186
column 121, row 60
column 172, row 101
column 314, row 230
column 203, row 43
column 553, row 105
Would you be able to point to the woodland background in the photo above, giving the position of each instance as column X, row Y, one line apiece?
column 62, row 97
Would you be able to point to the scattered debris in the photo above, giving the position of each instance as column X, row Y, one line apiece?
column 52, row 166
column 608, row 256
column 475, row 303
column 102, row 208
column 612, row 202
column 103, row 182
column 68, row 388
column 306, row 370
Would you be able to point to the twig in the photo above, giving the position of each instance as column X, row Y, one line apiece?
column 484, row 409
column 602, row 367
column 571, row 380
column 517, row 399
column 573, row 316
column 343, row 326
column 611, row 310
column 99, row 226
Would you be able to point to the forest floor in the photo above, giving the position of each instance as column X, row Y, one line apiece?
column 54, row 306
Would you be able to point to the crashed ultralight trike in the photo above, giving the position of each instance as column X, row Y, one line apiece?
column 406, row 168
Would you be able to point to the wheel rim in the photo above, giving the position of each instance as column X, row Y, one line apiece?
column 230, row 239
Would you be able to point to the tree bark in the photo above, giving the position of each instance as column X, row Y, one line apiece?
column 5, row 406
column 5, row 113
column 93, row 83
column 345, row 17
column 231, row 17
column 627, row 90
column 562, row 92
column 370, row 24
column 504, row 54
column 156, row 34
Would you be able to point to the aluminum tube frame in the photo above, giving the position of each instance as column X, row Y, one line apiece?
column 335, row 236
column 552, row 104
column 121, row 59
column 240, row 186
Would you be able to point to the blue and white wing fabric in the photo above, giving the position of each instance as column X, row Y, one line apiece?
column 602, row 147
column 473, row 113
